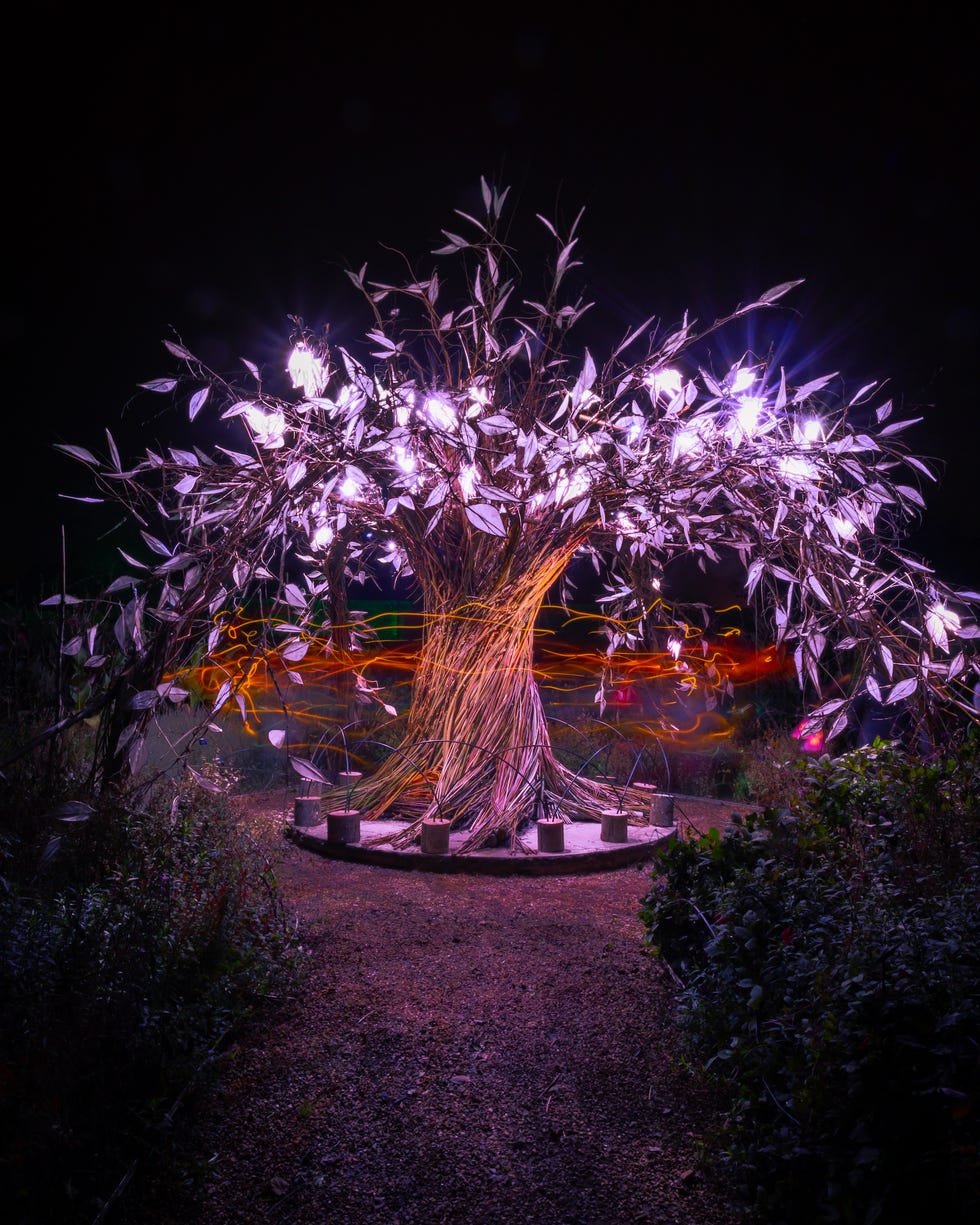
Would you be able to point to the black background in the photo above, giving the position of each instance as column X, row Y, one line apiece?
column 201, row 173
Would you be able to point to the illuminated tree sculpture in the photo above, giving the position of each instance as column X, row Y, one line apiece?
column 468, row 448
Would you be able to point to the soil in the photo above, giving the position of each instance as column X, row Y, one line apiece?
column 466, row 1050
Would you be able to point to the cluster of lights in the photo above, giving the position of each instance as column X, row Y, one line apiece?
column 748, row 417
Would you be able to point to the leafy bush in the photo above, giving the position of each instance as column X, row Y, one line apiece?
column 129, row 945
column 767, row 774
column 831, row 979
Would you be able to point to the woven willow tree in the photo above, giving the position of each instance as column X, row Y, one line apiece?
column 468, row 445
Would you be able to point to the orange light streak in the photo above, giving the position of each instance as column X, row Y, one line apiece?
column 649, row 694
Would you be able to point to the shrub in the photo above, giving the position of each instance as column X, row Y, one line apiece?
column 832, row 984
column 768, row 772
column 129, row 946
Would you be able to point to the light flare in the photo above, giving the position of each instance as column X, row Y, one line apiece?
column 467, row 482
column 306, row 370
column 350, row 488
column 268, row 429
column 571, row 484
column 657, row 701
column 663, row 382
column 439, row 413
column 744, row 378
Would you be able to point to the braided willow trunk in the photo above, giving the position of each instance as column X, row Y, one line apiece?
column 476, row 748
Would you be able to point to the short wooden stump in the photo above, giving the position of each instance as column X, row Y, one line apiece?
column 306, row 810
column 435, row 837
column 662, row 810
column 551, row 835
column 615, row 827
column 344, row 825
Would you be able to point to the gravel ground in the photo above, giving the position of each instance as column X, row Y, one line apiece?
column 467, row 1050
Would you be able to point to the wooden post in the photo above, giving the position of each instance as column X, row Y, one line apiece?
column 435, row 836
column 344, row 825
column 615, row 827
column 551, row 835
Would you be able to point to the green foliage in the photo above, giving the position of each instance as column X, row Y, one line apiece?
column 130, row 944
column 769, row 769
column 832, row 983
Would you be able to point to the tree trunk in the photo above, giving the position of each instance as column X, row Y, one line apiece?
column 338, row 615
column 476, row 748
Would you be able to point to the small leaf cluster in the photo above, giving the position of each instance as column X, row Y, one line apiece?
column 831, row 985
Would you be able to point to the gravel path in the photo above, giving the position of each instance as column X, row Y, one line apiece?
column 466, row 1051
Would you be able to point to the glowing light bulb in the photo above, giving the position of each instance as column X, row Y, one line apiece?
column 306, row 370
column 439, row 413
column 796, row 469
column 267, row 428
column 844, row 527
column 479, row 399
column 663, row 382
column 323, row 536
column 743, row 378
column 812, row 430
column 634, row 429
column 571, row 485
column 467, row 482
column 686, row 442
column 748, row 415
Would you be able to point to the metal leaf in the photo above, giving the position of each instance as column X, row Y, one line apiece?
column 161, row 385
column 778, row 291
column 497, row 424
column 486, row 518
column 902, row 690
column 156, row 545
column 306, row 769
column 76, row 452
column 197, row 402
column 206, row 784
column 72, row 812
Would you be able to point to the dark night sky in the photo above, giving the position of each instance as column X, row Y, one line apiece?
column 201, row 174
